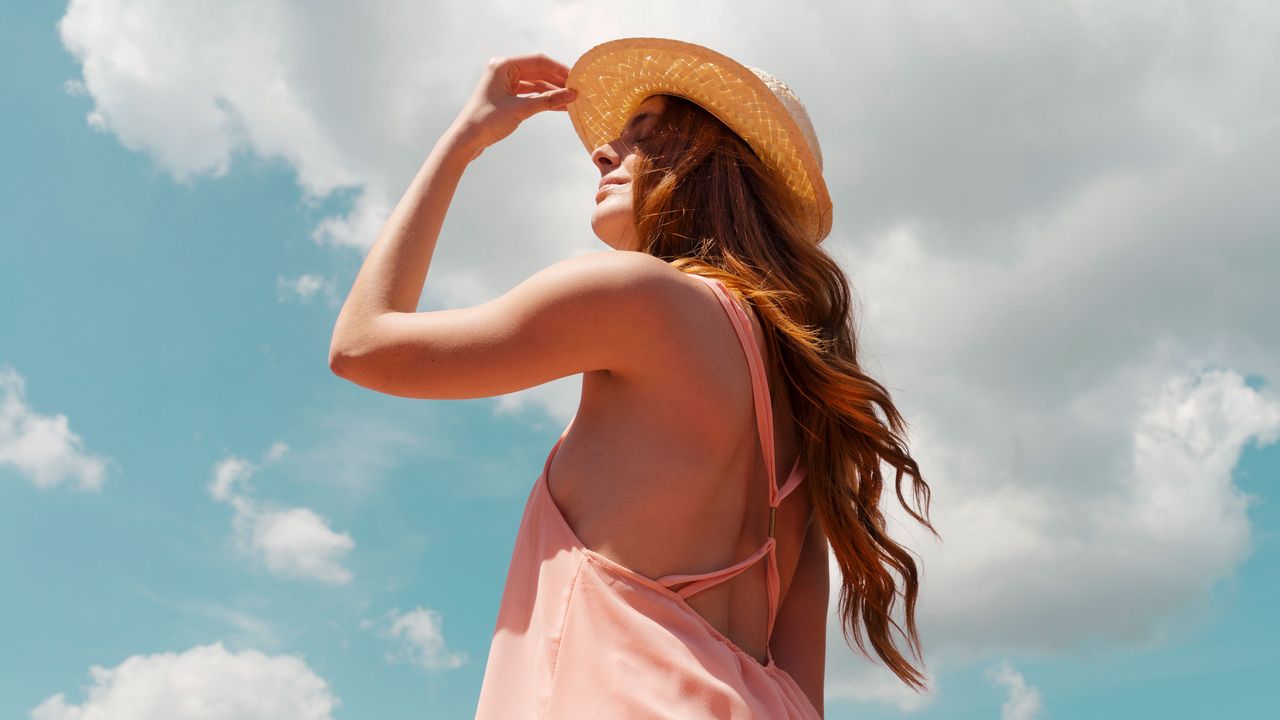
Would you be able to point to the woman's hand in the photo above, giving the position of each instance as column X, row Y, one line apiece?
column 511, row 90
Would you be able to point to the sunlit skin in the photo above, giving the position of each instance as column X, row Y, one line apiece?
column 612, row 220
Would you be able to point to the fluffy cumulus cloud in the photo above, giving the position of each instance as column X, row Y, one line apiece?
column 1058, row 219
column 293, row 542
column 206, row 682
column 351, row 100
column 1109, row 548
column 296, row 543
column 419, row 635
column 42, row 448
column 1110, row 551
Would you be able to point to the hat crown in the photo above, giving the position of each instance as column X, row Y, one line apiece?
column 794, row 107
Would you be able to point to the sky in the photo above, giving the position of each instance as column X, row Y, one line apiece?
column 1059, row 219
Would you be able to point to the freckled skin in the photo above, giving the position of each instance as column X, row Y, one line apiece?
column 612, row 219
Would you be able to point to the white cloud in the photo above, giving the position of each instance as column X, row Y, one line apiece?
column 853, row 679
column 351, row 100
column 1055, row 223
column 421, row 638
column 1113, row 549
column 276, row 451
column 293, row 542
column 1024, row 701
column 305, row 287
column 227, row 474
column 206, row 682
column 42, row 447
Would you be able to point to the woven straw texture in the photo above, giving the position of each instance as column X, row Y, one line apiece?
column 614, row 77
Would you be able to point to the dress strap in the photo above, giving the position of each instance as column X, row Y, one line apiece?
column 764, row 425
column 759, row 379
column 701, row 581
column 793, row 479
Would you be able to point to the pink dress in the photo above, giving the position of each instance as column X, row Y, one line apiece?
column 581, row 636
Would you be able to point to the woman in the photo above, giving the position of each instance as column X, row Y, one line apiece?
column 672, row 559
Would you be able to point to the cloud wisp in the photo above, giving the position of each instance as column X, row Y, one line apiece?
column 291, row 542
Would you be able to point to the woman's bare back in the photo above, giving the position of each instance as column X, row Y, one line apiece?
column 663, row 473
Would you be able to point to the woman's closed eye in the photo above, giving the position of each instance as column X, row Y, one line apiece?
column 645, row 138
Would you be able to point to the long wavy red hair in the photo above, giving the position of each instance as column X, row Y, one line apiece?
column 704, row 202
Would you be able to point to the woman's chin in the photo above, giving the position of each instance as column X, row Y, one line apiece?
column 611, row 229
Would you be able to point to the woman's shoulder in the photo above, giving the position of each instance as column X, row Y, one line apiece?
column 648, row 278
column 640, row 263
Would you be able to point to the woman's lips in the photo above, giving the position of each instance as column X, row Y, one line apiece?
column 604, row 189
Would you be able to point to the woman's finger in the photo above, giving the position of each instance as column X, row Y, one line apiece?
column 538, row 67
column 542, row 63
column 557, row 99
column 536, row 87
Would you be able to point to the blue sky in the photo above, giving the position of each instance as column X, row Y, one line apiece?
column 183, row 481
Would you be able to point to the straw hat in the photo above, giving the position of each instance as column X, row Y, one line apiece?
column 614, row 77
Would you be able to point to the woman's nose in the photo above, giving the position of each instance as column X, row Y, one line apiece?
column 605, row 156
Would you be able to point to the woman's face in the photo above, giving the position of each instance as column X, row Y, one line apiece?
column 612, row 220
